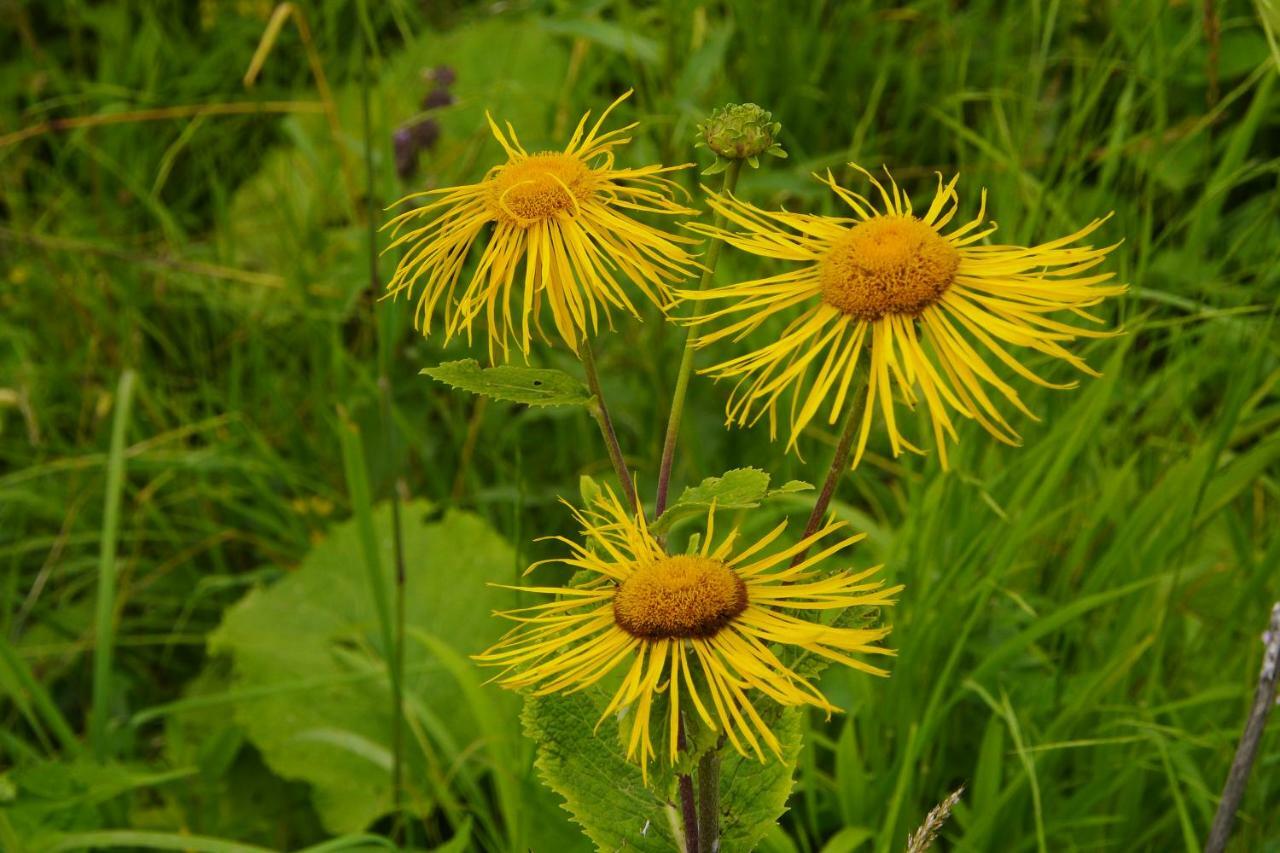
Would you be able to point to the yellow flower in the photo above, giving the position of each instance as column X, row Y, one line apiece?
column 567, row 215
column 702, row 628
column 922, row 301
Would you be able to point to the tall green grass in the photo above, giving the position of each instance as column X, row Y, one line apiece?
column 1078, row 638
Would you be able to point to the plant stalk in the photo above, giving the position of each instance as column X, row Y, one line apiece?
column 397, row 650
column 688, row 808
column 105, row 614
column 709, row 800
column 686, row 357
column 1247, row 751
column 384, row 339
column 600, row 411
column 839, row 463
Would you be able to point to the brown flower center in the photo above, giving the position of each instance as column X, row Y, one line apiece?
column 679, row 597
column 887, row 265
column 539, row 187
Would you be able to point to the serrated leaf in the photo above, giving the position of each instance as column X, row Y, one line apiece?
column 790, row 487
column 602, row 791
column 741, row 488
column 753, row 795
column 606, row 796
column 533, row 386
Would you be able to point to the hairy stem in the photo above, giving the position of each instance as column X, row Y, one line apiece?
column 686, row 357
column 600, row 412
column 688, row 808
column 839, row 462
column 709, row 800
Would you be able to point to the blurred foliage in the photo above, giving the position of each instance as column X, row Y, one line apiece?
column 1078, row 637
column 311, row 676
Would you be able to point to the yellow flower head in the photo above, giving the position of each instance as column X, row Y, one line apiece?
column 920, row 300
column 567, row 216
column 702, row 628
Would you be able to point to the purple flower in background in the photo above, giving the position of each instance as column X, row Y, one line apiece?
column 412, row 139
column 442, row 75
column 438, row 97
column 406, row 153
column 425, row 133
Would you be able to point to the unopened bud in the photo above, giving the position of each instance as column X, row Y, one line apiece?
column 740, row 132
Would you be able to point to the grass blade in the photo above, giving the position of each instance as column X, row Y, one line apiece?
column 106, row 601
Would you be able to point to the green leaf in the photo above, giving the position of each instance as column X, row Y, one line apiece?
column 47, row 798
column 309, row 674
column 460, row 843
column 602, row 790
column 589, row 489
column 741, row 488
column 532, row 386
column 142, row 840
column 716, row 168
column 753, row 795
column 234, row 782
column 606, row 796
column 1269, row 17
column 848, row 839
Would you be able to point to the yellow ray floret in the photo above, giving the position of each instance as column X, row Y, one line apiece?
column 705, row 629
column 557, row 227
column 925, row 305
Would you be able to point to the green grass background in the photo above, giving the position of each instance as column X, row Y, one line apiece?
column 1078, row 640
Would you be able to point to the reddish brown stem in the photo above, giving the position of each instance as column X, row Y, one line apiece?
column 688, row 806
column 839, row 462
column 600, row 412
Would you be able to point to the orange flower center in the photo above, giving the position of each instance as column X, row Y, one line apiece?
column 679, row 597
column 539, row 187
column 887, row 265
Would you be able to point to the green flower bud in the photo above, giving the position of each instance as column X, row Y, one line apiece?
column 740, row 132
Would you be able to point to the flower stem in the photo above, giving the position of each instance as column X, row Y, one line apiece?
column 839, row 462
column 709, row 800
column 688, row 809
column 600, row 412
column 686, row 358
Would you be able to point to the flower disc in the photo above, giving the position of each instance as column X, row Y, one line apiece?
column 680, row 596
column 539, row 187
column 889, row 265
